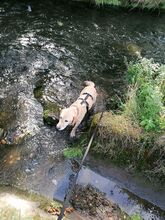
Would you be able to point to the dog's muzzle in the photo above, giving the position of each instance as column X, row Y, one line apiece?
column 59, row 128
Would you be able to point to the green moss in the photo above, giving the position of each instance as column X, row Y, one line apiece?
column 38, row 92
column 50, row 112
column 73, row 152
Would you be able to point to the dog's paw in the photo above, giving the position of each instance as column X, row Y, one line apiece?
column 72, row 134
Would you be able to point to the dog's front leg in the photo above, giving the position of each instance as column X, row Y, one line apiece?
column 73, row 131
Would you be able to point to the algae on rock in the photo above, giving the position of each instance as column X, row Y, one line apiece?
column 50, row 112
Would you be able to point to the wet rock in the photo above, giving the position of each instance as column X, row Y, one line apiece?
column 3, row 141
column 60, row 23
column 133, row 49
column 38, row 92
column 29, row 114
column 21, row 117
column 7, row 110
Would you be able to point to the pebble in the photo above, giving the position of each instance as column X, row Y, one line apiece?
column 29, row 9
column 3, row 141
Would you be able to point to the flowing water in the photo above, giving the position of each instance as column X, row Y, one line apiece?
column 55, row 46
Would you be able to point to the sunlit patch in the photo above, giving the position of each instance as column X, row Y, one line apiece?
column 12, row 157
column 12, row 201
column 27, row 39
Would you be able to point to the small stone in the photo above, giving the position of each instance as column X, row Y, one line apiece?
column 54, row 182
column 60, row 23
column 3, row 141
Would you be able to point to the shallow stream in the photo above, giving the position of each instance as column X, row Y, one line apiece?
column 55, row 46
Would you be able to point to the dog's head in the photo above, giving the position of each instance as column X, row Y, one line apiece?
column 66, row 118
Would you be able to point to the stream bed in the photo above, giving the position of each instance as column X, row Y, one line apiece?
column 54, row 47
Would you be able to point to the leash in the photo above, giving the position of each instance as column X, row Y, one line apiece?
column 70, row 190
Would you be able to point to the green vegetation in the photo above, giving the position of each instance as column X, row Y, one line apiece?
column 77, row 148
column 145, row 96
column 73, row 152
column 135, row 136
column 136, row 217
column 111, row 2
column 50, row 112
column 149, row 4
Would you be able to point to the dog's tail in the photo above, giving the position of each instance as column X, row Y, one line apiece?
column 89, row 83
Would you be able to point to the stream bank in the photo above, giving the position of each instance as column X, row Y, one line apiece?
column 129, row 4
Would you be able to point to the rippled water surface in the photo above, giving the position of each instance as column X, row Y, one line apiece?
column 55, row 46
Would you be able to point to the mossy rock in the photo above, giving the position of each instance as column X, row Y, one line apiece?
column 6, row 117
column 38, row 92
column 50, row 113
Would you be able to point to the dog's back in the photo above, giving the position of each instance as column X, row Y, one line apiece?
column 88, row 94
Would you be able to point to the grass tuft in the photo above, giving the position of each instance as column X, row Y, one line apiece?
column 73, row 152
column 144, row 4
column 110, row 2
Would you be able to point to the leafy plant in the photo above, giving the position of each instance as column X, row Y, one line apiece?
column 145, row 102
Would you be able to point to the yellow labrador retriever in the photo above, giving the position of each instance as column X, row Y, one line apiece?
column 74, row 114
